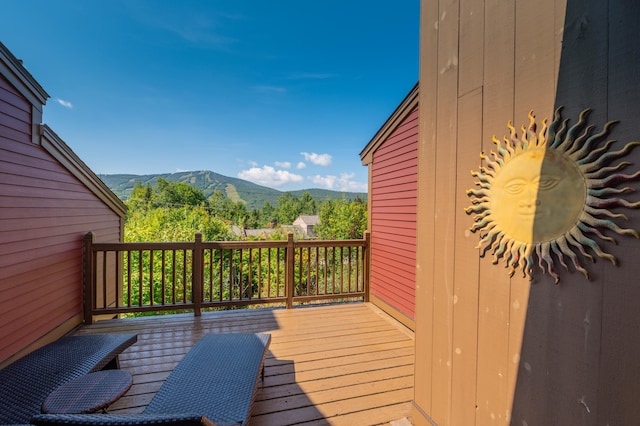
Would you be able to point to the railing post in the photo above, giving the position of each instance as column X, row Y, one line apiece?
column 88, row 277
column 367, row 264
column 290, row 269
column 196, row 274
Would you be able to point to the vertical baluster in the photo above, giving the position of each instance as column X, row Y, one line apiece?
column 221, row 274
column 151, row 295
column 349, row 269
column 174, row 276
column 129, row 278
column 269, row 272
column 240, row 274
column 140, row 288
column 104, row 279
column 250, row 274
column 163, row 292
column 259, row 273
column 184, row 275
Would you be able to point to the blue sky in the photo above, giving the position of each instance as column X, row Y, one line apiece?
column 281, row 93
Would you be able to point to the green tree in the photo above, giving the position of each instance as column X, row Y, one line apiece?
column 142, row 197
column 176, row 194
column 268, row 214
column 288, row 208
column 174, row 224
column 342, row 219
column 307, row 204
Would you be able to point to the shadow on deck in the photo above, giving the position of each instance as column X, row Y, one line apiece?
column 343, row 364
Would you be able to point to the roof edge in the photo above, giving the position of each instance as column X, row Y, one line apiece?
column 55, row 146
column 403, row 110
column 18, row 75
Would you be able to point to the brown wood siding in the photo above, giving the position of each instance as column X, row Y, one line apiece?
column 44, row 213
column 393, row 217
column 493, row 349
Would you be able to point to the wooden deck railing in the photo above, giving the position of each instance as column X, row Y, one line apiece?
column 150, row 277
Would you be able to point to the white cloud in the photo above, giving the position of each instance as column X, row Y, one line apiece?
column 310, row 76
column 268, row 176
column 343, row 183
column 317, row 159
column 269, row 89
column 283, row 164
column 64, row 103
column 301, row 165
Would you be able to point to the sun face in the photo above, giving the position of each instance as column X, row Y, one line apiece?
column 545, row 195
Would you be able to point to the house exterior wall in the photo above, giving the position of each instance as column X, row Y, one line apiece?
column 393, row 177
column 393, row 220
column 491, row 349
column 47, row 205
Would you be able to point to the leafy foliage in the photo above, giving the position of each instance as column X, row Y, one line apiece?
column 342, row 220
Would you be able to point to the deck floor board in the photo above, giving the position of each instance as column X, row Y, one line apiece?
column 340, row 364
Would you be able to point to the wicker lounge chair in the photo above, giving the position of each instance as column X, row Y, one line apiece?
column 26, row 383
column 216, row 382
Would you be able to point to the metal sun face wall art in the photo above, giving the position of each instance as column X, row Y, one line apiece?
column 547, row 195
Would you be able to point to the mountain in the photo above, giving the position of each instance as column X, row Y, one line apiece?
column 254, row 196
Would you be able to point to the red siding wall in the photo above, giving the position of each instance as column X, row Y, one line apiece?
column 44, row 213
column 394, row 179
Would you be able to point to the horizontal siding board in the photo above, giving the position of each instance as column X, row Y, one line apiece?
column 408, row 212
column 42, row 288
column 45, row 203
column 403, row 161
column 44, row 223
column 407, row 173
column 404, row 193
column 386, row 244
column 15, row 135
column 39, row 183
column 390, row 256
column 399, row 272
column 389, row 187
column 9, row 146
column 408, row 217
column 11, row 212
column 408, row 129
column 22, row 165
column 394, row 169
column 400, row 301
column 13, row 123
column 41, row 273
column 396, row 290
column 10, row 95
column 395, row 231
column 12, row 111
column 397, row 245
column 17, row 236
column 399, row 288
column 8, row 190
column 406, row 235
column 401, row 147
column 404, row 138
column 52, row 308
column 398, row 285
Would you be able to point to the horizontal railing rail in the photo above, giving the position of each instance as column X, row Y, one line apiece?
column 124, row 278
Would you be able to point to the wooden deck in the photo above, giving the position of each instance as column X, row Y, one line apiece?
column 342, row 364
